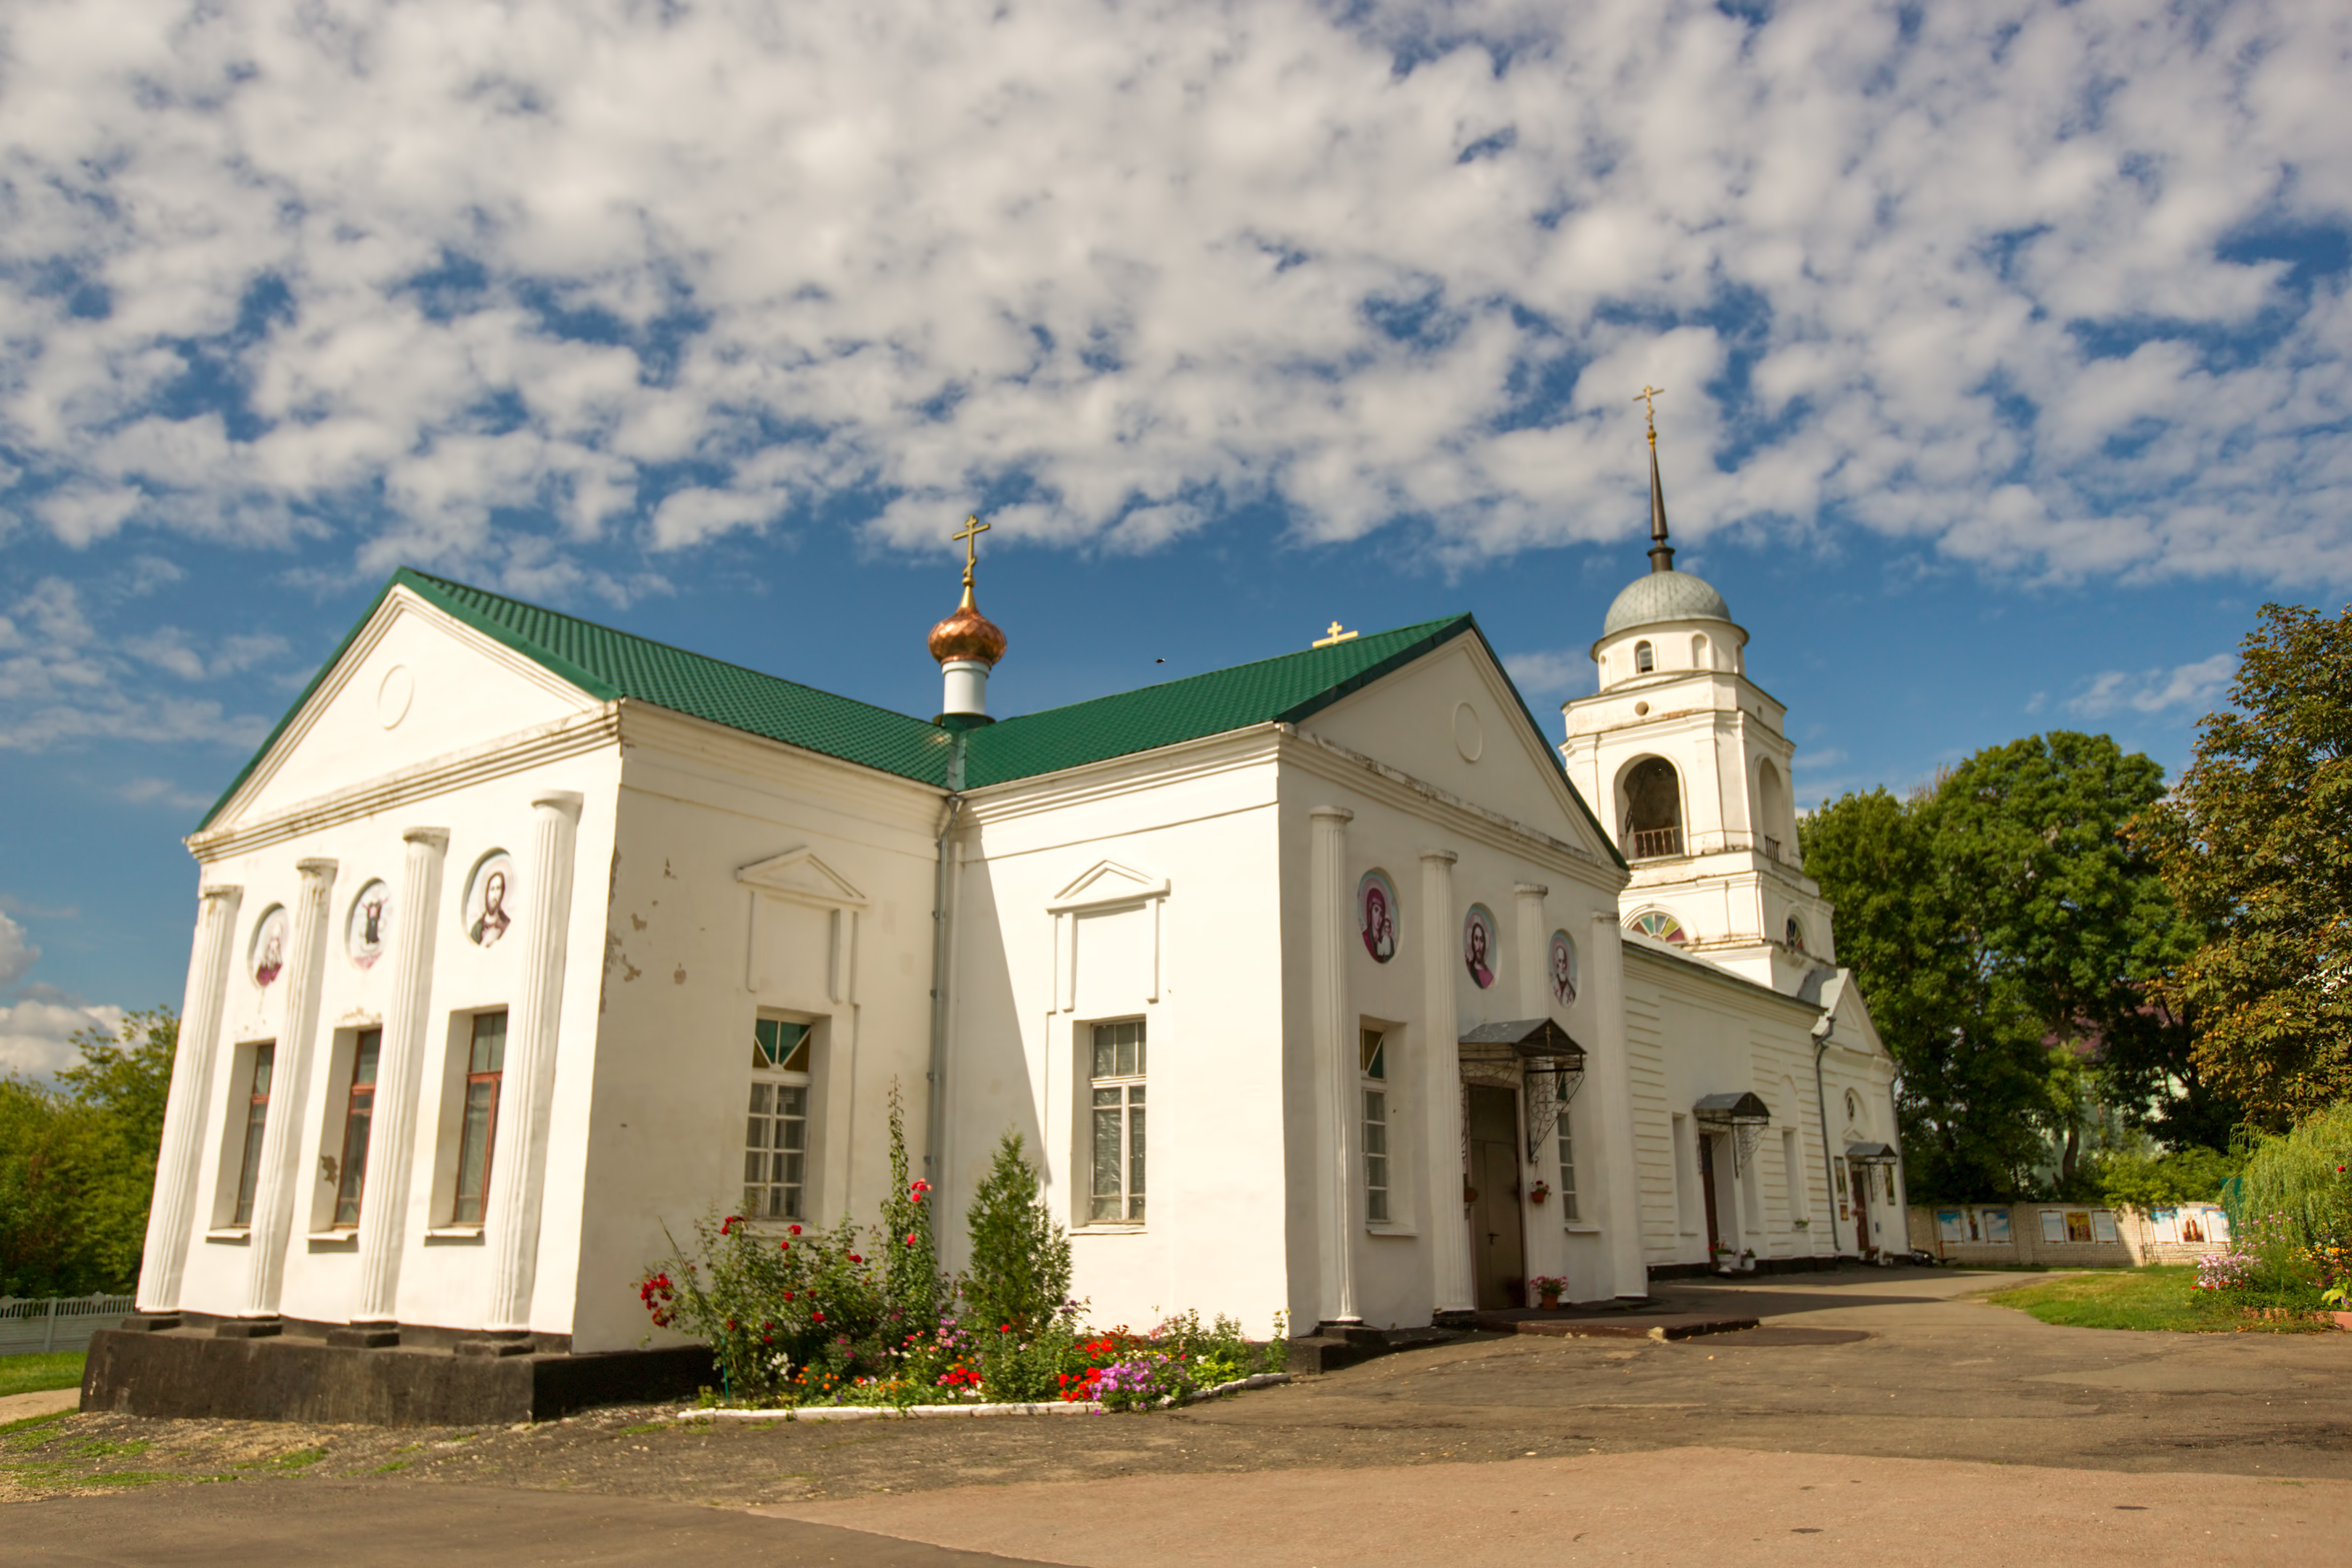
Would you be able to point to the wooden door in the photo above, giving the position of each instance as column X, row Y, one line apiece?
column 1706, row 1191
column 1857, row 1182
column 1495, row 1239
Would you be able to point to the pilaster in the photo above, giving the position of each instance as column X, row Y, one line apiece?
column 170, row 1220
column 1453, row 1289
column 1331, row 926
column 392, row 1141
column 277, row 1181
column 519, row 1178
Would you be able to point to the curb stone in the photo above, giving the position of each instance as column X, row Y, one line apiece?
column 938, row 1412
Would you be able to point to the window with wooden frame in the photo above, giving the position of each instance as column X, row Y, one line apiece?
column 359, row 1115
column 1115, row 1085
column 257, row 1122
column 1568, row 1213
column 775, row 1154
column 478, row 1129
column 1374, row 1063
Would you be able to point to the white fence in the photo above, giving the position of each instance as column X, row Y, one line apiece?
column 29, row 1326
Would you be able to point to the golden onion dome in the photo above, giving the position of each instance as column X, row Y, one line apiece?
column 968, row 634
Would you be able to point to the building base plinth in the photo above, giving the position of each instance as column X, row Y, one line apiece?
column 195, row 1374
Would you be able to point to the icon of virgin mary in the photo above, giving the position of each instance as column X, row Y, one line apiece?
column 1380, row 924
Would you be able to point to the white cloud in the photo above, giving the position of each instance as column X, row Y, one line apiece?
column 1567, row 673
column 669, row 273
column 63, row 681
column 35, row 1033
column 17, row 953
column 2189, row 687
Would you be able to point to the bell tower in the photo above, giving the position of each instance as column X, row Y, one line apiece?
column 1686, row 763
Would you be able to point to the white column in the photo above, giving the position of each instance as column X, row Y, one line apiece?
column 1534, row 962
column 172, row 1216
column 1336, row 1065
column 519, row 1177
column 276, row 1183
column 391, row 1140
column 1612, row 1087
column 1441, row 1089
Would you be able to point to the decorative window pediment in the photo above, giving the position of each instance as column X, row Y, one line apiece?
column 799, row 874
column 1108, row 882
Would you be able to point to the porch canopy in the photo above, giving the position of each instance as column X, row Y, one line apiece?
column 1743, row 1115
column 1870, row 1153
column 1550, row 1062
column 1746, row 1109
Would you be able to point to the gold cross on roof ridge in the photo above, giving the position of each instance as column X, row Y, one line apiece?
column 1334, row 635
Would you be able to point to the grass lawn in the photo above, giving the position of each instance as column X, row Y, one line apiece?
column 2158, row 1296
column 31, row 1373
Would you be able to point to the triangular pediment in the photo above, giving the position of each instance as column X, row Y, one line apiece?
column 1451, row 717
column 412, row 688
column 1109, row 882
column 799, row 874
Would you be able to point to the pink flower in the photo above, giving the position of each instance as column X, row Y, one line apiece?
column 910, row 1239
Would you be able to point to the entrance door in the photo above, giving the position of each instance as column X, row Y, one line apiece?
column 1857, row 1181
column 1495, row 1236
column 1706, row 1190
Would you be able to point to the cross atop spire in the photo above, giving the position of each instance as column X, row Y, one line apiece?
column 1662, row 555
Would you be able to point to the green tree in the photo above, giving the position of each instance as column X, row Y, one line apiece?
column 1970, row 1068
column 1020, row 1272
column 2011, row 940
column 77, row 1163
column 2255, row 844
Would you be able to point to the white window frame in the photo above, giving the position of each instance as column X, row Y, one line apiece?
column 764, row 1118
column 1131, row 1108
column 1376, row 1106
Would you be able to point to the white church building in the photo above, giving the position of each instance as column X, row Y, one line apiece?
column 1328, row 983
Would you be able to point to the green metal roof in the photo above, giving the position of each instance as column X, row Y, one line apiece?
column 1282, row 690
column 609, row 665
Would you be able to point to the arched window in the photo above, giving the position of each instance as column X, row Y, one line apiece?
column 1698, row 651
column 1771, row 809
column 1645, row 659
column 1653, row 810
column 1796, row 935
column 1662, row 925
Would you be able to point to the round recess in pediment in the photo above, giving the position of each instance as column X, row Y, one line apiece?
column 393, row 697
column 1469, row 734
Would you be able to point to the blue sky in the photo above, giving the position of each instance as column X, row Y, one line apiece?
column 2005, row 349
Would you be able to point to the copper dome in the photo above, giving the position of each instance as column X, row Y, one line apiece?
column 968, row 634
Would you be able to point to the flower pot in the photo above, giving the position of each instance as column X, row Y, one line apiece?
column 1551, row 1304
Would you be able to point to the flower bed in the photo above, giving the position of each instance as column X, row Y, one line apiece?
column 800, row 1317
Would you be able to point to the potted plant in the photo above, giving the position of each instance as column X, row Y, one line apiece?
column 1540, row 1191
column 1748, row 1260
column 1548, row 1287
column 1724, row 1259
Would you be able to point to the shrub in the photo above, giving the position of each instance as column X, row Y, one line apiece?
column 1019, row 1280
column 2301, row 1182
column 773, row 1310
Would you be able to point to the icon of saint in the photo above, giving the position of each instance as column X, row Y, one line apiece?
column 371, row 932
column 1563, row 975
column 272, row 962
column 491, row 923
